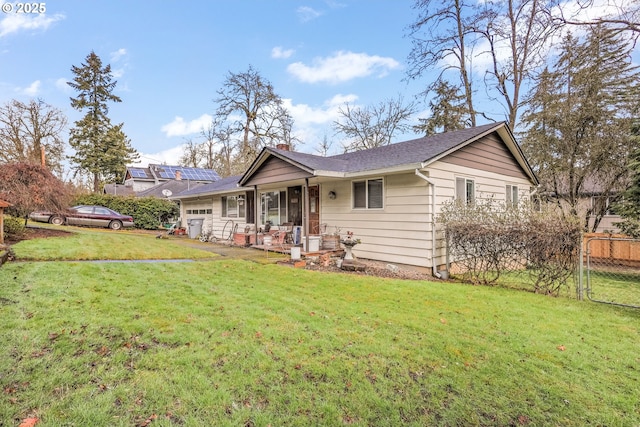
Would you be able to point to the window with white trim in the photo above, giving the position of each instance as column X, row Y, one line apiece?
column 465, row 190
column 368, row 194
column 511, row 195
column 233, row 207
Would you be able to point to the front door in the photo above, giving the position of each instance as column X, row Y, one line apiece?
column 314, row 209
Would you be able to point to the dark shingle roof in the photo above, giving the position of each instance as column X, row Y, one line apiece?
column 174, row 186
column 401, row 153
column 223, row 184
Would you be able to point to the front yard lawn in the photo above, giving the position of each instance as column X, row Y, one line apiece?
column 232, row 342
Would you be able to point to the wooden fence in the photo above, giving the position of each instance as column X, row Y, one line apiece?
column 616, row 248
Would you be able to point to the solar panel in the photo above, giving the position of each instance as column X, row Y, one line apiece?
column 196, row 174
column 138, row 173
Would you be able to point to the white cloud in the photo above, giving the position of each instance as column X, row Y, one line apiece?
column 32, row 90
column 170, row 156
column 304, row 114
column 279, row 53
column 343, row 66
column 117, row 72
column 118, row 54
column 15, row 22
column 62, row 85
column 179, row 127
column 306, row 13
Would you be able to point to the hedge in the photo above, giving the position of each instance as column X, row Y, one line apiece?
column 148, row 213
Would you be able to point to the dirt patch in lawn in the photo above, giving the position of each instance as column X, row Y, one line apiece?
column 34, row 233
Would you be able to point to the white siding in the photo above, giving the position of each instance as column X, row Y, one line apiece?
column 398, row 233
column 401, row 231
column 214, row 220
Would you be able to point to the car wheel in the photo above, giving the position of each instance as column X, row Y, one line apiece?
column 56, row 220
column 115, row 225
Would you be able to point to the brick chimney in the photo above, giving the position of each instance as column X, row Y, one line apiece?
column 285, row 147
column 178, row 175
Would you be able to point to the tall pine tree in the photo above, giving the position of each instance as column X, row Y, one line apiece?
column 578, row 122
column 629, row 205
column 102, row 149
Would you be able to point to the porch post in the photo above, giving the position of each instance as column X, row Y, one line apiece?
column 306, row 213
column 256, row 218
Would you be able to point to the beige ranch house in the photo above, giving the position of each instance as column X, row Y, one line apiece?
column 389, row 197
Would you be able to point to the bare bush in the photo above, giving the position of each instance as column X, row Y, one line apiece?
column 488, row 239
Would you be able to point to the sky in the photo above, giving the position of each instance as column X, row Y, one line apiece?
column 170, row 58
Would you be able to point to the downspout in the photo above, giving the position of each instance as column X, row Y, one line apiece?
column 307, row 212
column 433, row 223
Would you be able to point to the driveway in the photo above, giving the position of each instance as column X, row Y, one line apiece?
column 232, row 251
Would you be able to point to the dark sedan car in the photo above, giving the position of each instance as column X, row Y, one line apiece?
column 94, row 216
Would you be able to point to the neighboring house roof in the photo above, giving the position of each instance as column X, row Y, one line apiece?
column 118, row 190
column 168, row 188
column 159, row 173
column 416, row 153
column 592, row 186
column 223, row 185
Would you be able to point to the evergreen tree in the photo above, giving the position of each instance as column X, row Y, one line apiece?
column 578, row 120
column 449, row 110
column 102, row 149
column 629, row 206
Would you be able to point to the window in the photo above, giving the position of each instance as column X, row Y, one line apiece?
column 512, row 195
column 368, row 194
column 189, row 211
column 274, row 207
column 465, row 190
column 233, row 206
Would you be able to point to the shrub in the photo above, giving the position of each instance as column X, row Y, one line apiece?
column 13, row 227
column 487, row 239
column 147, row 212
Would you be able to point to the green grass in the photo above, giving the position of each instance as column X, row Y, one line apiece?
column 615, row 286
column 96, row 244
column 231, row 342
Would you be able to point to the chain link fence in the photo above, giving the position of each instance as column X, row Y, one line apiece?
column 610, row 270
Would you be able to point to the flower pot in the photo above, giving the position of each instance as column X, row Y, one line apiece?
column 330, row 242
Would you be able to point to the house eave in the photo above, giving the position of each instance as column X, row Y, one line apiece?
column 210, row 193
column 384, row 171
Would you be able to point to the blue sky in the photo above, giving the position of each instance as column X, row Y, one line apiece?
column 170, row 57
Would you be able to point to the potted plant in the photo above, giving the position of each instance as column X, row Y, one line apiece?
column 331, row 242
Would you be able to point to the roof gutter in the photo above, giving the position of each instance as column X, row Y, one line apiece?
column 434, row 267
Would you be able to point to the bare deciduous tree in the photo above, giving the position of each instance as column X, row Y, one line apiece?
column 443, row 36
column 262, row 118
column 624, row 15
column 192, row 154
column 452, row 35
column 28, row 129
column 517, row 33
column 373, row 126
